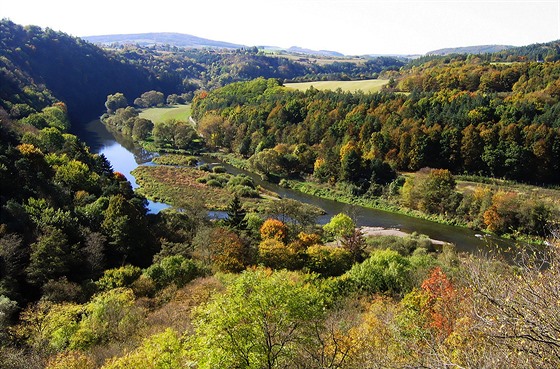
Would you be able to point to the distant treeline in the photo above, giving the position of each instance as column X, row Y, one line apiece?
column 497, row 120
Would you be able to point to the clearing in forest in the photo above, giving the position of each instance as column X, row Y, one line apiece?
column 369, row 85
column 158, row 115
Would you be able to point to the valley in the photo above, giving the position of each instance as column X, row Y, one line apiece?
column 211, row 217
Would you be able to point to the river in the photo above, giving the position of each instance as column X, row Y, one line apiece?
column 125, row 156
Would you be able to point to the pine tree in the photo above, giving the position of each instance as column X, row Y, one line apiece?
column 236, row 215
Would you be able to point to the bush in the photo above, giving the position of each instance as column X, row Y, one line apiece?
column 245, row 191
column 219, row 169
column 403, row 245
column 242, row 180
column 213, row 183
column 204, row 167
column 118, row 277
column 383, row 271
column 328, row 260
column 274, row 254
column 172, row 269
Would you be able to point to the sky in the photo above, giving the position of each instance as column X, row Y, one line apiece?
column 352, row 27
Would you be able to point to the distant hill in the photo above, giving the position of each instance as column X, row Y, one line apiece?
column 480, row 49
column 301, row 50
column 162, row 38
column 190, row 41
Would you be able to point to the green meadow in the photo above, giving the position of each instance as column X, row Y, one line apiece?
column 370, row 85
column 157, row 115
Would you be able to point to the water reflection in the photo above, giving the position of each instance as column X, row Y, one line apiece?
column 121, row 152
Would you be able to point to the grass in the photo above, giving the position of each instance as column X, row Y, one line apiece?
column 470, row 183
column 178, row 186
column 158, row 115
column 184, row 186
column 370, row 85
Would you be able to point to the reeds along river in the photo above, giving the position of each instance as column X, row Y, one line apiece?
column 125, row 156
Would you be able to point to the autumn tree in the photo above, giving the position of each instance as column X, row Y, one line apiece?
column 274, row 229
column 222, row 249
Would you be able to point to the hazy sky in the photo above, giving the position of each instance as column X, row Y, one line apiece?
column 347, row 26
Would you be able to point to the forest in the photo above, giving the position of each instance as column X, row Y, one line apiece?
column 90, row 279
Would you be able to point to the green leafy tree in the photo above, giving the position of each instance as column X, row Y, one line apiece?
column 142, row 128
column 115, row 101
column 127, row 231
column 118, row 277
column 351, row 169
column 150, row 99
column 341, row 225
column 172, row 269
column 164, row 350
column 50, row 256
column 383, row 271
column 260, row 322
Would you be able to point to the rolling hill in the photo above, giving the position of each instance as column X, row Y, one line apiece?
column 162, row 38
column 479, row 49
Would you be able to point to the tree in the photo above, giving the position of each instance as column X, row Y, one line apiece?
column 340, row 225
column 329, row 261
column 142, row 129
column 150, row 99
column 221, row 248
column 351, row 168
column 164, row 350
column 275, row 254
column 383, row 271
column 274, row 229
column 115, row 101
column 516, row 309
column 236, row 215
column 260, row 322
column 127, row 231
column 50, row 256
column 432, row 191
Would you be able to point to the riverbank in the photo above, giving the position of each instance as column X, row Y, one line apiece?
column 380, row 231
column 330, row 193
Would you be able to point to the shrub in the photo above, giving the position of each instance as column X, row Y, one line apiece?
column 274, row 228
column 172, row 269
column 242, row 180
column 276, row 255
column 118, row 277
column 383, row 271
column 213, row 183
column 328, row 260
column 219, row 169
column 245, row 191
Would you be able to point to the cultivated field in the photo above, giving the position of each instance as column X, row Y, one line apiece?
column 369, row 85
column 178, row 112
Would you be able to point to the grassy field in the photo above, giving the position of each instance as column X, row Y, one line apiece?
column 179, row 186
column 370, row 85
column 157, row 115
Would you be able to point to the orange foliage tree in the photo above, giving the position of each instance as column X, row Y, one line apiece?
column 274, row 229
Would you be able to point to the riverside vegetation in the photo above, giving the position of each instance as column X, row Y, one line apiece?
column 88, row 279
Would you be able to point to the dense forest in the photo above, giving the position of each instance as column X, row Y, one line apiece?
column 461, row 117
column 89, row 279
